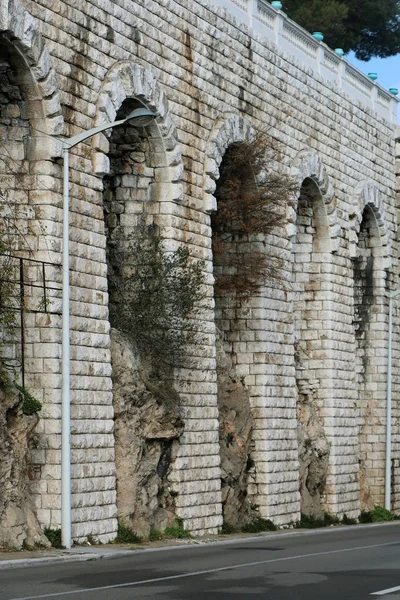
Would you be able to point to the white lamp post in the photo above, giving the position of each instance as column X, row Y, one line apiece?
column 140, row 117
column 388, row 461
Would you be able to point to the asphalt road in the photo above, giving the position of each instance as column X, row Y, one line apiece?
column 352, row 563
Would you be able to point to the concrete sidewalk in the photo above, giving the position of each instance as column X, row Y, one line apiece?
column 29, row 558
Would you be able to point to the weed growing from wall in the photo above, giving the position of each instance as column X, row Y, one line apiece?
column 8, row 287
column 30, row 404
column 157, row 296
column 252, row 199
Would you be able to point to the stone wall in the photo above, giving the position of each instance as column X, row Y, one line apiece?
column 211, row 81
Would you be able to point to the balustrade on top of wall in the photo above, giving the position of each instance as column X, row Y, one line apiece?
column 293, row 39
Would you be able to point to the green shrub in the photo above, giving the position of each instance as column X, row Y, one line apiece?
column 310, row 522
column 155, row 535
column 125, row 535
column 54, row 537
column 30, row 404
column 228, row 528
column 259, row 525
column 177, row 531
column 376, row 515
column 348, row 520
column 156, row 296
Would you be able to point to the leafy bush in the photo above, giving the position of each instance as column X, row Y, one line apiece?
column 126, row 535
column 177, row 531
column 376, row 515
column 54, row 537
column 310, row 522
column 348, row 520
column 155, row 535
column 155, row 296
column 30, row 404
column 259, row 525
column 228, row 528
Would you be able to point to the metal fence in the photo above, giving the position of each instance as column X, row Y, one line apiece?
column 32, row 287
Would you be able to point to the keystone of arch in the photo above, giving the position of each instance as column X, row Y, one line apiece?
column 131, row 80
column 41, row 92
column 366, row 194
column 227, row 130
column 308, row 165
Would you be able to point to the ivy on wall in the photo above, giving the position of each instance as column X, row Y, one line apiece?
column 8, row 287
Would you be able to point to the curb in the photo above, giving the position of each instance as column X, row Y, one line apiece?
column 81, row 556
column 73, row 557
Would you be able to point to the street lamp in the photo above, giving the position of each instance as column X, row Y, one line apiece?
column 140, row 117
column 388, row 460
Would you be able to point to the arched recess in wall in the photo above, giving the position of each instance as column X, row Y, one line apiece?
column 242, row 328
column 371, row 255
column 142, row 171
column 315, row 237
column 33, row 72
column 30, row 114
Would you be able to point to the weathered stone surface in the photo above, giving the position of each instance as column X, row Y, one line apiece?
column 313, row 453
column 235, row 438
column 212, row 81
column 19, row 525
column 148, row 424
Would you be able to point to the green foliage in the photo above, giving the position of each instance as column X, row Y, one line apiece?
column 369, row 27
column 156, row 295
column 228, row 528
column 126, row 535
column 310, row 522
column 54, row 537
column 348, row 520
column 155, row 535
column 8, row 293
column 259, row 525
column 377, row 514
column 177, row 531
column 30, row 404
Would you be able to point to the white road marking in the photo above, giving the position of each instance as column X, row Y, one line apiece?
column 388, row 591
column 205, row 572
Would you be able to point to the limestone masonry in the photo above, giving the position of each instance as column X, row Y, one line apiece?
column 308, row 359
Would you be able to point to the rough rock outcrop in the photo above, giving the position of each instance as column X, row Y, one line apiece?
column 18, row 523
column 235, row 429
column 147, row 427
column 313, row 452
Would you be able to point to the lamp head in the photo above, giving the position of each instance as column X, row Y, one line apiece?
column 140, row 117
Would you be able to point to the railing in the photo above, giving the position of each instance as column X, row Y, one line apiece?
column 293, row 39
column 32, row 287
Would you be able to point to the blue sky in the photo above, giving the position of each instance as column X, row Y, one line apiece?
column 388, row 70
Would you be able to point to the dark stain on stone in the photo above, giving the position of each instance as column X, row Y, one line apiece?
column 165, row 458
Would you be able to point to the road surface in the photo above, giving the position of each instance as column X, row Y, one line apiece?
column 354, row 563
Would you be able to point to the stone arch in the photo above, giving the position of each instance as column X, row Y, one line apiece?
column 30, row 115
column 127, row 80
column 142, row 171
column 308, row 165
column 371, row 257
column 36, row 76
column 249, row 366
column 314, row 232
column 228, row 129
column 367, row 194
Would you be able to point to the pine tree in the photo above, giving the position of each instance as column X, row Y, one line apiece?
column 369, row 27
